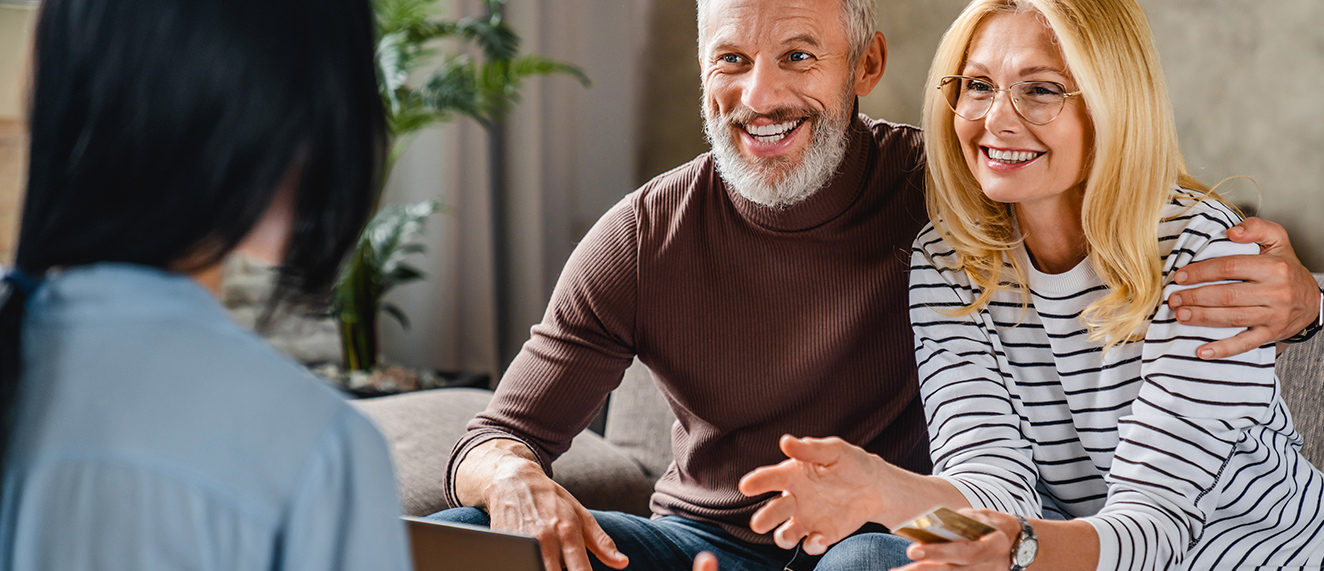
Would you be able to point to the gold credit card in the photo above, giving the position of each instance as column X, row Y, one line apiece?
column 942, row 526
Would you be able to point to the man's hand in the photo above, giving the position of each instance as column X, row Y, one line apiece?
column 520, row 498
column 989, row 553
column 1275, row 299
column 705, row 562
column 829, row 489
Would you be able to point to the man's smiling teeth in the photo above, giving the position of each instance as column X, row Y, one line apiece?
column 1011, row 157
column 772, row 133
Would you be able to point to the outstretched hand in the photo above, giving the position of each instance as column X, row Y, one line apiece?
column 1272, row 294
column 828, row 490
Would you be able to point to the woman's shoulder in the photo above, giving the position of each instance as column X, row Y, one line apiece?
column 1194, row 226
column 931, row 243
column 1193, row 211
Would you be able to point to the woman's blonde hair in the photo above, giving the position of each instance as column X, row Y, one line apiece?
column 1130, row 173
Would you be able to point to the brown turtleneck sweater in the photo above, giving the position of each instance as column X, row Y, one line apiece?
column 756, row 322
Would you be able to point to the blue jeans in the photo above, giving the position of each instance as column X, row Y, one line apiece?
column 670, row 543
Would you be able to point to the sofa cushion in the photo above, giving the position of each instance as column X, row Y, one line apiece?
column 639, row 420
column 422, row 428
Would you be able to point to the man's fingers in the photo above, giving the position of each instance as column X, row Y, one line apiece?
column 817, row 543
column 575, row 557
column 767, row 479
column 772, row 514
column 705, row 561
column 788, row 535
column 825, row 451
column 1224, row 317
column 1237, row 344
column 562, row 545
column 1270, row 236
column 1244, row 267
column 1236, row 294
column 600, row 543
column 551, row 554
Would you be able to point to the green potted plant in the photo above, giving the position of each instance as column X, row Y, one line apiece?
column 482, row 87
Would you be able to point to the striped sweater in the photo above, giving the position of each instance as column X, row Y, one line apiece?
column 1178, row 463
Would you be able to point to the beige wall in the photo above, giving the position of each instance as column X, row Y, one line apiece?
column 15, row 34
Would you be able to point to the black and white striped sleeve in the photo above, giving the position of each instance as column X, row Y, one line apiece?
column 974, row 433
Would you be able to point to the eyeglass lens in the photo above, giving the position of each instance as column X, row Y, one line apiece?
column 1039, row 102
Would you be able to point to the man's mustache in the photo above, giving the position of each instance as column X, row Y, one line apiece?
column 742, row 115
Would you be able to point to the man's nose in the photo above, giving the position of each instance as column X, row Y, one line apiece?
column 765, row 87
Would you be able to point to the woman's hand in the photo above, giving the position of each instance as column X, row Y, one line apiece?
column 990, row 553
column 829, row 489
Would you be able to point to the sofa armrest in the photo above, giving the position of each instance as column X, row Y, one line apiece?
column 421, row 428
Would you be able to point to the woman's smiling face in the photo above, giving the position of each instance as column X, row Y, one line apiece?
column 1014, row 160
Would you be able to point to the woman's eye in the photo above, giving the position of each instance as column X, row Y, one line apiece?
column 800, row 56
column 979, row 86
column 1045, row 90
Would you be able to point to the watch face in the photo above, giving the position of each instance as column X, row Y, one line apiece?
column 1026, row 549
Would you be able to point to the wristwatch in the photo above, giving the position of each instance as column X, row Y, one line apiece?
column 1025, row 547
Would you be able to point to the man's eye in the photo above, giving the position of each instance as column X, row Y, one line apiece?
column 800, row 56
column 730, row 58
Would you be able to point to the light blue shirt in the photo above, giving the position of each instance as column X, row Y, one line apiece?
column 154, row 433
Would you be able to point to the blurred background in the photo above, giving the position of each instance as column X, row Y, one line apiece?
column 1246, row 80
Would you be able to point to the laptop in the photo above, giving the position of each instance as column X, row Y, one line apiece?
column 441, row 546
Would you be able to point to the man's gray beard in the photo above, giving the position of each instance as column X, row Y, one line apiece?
column 758, row 179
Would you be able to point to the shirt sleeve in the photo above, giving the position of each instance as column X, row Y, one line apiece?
column 575, row 357
column 974, row 432
column 1183, row 426
column 345, row 515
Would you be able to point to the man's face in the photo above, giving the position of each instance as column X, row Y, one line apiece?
column 778, row 94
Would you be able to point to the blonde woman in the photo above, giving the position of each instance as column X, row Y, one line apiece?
column 1065, row 402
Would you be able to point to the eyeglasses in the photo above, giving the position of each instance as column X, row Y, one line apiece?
column 1038, row 102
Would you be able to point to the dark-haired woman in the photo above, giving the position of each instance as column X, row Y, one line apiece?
column 142, row 429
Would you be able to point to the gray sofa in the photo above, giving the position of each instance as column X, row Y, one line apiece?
column 616, row 471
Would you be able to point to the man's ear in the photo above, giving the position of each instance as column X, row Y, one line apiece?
column 869, row 70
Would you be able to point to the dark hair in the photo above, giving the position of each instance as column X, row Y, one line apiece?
column 162, row 129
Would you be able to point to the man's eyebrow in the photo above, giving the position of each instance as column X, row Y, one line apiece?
column 721, row 45
column 804, row 39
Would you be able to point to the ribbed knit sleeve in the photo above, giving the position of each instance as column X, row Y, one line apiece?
column 575, row 357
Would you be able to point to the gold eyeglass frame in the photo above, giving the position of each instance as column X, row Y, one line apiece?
column 996, row 90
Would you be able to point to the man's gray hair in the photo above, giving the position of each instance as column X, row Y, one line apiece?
column 856, row 15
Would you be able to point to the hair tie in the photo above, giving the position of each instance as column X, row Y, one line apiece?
column 20, row 280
